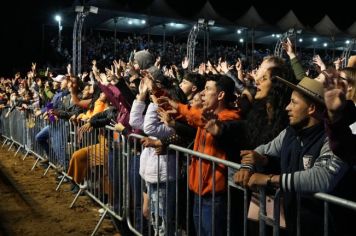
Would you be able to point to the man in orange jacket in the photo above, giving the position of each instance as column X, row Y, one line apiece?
column 218, row 98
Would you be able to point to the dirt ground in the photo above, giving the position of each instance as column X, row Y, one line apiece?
column 29, row 204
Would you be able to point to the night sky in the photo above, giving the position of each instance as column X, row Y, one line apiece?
column 22, row 29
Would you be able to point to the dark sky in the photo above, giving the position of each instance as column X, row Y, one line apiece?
column 22, row 29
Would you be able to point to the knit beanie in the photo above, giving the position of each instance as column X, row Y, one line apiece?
column 144, row 59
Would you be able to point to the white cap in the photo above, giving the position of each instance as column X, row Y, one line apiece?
column 59, row 78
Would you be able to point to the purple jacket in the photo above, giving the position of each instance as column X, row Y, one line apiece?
column 116, row 98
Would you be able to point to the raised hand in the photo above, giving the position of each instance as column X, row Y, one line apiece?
column 164, row 101
column 165, row 116
column 335, row 96
column 185, row 63
column 319, row 62
column 69, row 69
column 46, row 72
column 158, row 62
column 289, row 48
column 338, row 62
column 238, row 64
column 109, row 72
column 33, row 67
column 225, row 67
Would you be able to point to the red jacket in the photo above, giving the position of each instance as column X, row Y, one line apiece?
column 204, row 143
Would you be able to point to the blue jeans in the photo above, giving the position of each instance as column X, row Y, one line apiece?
column 206, row 214
column 59, row 138
column 136, row 192
column 42, row 139
column 162, row 207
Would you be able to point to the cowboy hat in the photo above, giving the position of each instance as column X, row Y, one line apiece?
column 309, row 87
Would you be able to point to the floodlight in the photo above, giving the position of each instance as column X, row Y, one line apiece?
column 93, row 10
column 347, row 41
column 300, row 40
column 201, row 21
column 239, row 31
column 315, row 39
column 325, row 44
column 58, row 18
column 143, row 22
column 79, row 8
column 211, row 22
column 241, row 40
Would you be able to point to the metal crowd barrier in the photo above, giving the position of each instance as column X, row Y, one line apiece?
column 104, row 182
column 113, row 181
column 5, row 126
column 180, row 214
column 34, row 125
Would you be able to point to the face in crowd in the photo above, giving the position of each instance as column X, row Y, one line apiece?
column 187, row 87
column 211, row 95
column 299, row 110
column 197, row 101
column 263, row 85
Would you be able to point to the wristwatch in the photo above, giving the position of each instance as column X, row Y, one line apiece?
column 269, row 180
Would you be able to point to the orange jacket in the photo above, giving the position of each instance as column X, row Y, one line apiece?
column 204, row 143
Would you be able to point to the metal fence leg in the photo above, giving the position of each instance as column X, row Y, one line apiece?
column 100, row 222
column 47, row 169
column 24, row 157
column 11, row 146
column 60, row 182
column 4, row 142
column 18, row 149
column 76, row 197
column 34, row 165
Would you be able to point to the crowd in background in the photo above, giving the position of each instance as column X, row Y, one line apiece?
column 270, row 118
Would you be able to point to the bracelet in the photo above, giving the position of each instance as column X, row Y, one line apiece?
column 324, row 73
column 269, row 180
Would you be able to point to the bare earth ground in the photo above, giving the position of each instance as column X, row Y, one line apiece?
column 29, row 204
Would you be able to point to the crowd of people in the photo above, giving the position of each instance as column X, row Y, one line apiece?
column 286, row 127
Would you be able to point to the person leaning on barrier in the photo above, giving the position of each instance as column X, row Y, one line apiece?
column 307, row 165
column 217, row 98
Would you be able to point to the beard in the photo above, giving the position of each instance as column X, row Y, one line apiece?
column 301, row 124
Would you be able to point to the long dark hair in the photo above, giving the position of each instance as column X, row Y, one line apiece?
column 263, row 126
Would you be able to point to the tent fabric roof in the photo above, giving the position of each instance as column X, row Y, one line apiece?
column 326, row 27
column 160, row 18
column 290, row 20
column 352, row 29
column 251, row 19
column 208, row 12
column 160, row 7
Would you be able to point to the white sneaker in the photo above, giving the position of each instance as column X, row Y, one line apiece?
column 84, row 185
column 101, row 211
